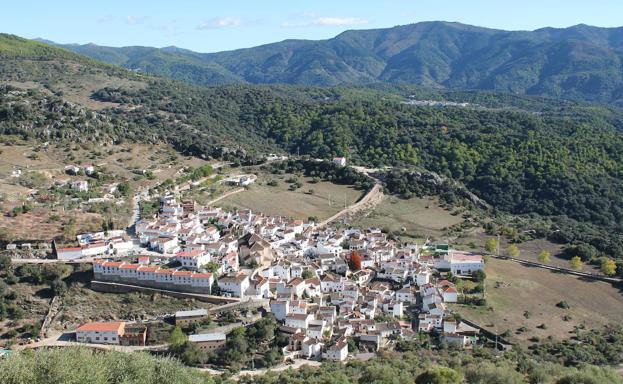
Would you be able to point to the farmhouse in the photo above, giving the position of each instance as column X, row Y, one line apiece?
column 101, row 332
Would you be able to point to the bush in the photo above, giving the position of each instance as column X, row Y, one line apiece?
column 562, row 304
column 85, row 366
column 439, row 375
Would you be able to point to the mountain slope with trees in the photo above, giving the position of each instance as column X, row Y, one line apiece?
column 579, row 62
column 522, row 155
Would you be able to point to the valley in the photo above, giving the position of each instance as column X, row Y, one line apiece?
column 346, row 202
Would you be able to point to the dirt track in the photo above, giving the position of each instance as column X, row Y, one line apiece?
column 371, row 199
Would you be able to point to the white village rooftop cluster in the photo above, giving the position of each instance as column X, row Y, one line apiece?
column 324, row 285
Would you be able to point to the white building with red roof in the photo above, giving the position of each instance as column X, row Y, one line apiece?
column 194, row 259
column 101, row 332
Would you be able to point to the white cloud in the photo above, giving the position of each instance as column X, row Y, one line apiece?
column 106, row 19
column 338, row 21
column 221, row 22
column 133, row 20
column 326, row 21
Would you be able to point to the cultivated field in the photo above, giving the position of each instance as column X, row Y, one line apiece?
column 519, row 296
column 419, row 218
column 327, row 199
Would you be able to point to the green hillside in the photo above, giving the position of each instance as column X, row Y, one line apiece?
column 528, row 156
column 580, row 62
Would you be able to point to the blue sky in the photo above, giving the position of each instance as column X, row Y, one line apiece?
column 209, row 26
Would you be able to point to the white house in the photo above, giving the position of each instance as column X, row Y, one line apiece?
column 100, row 332
column 236, row 285
column 298, row 320
column 460, row 263
column 280, row 308
column 341, row 161
column 80, row 185
column 338, row 351
column 69, row 253
column 194, row 259
column 450, row 295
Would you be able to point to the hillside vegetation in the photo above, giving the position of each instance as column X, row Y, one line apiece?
column 521, row 155
column 579, row 62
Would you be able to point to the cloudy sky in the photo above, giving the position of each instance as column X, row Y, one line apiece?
column 209, row 25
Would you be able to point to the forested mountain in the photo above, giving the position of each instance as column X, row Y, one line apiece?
column 170, row 62
column 522, row 155
column 580, row 62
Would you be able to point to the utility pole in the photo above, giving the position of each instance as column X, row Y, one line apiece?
column 496, row 340
column 498, row 249
column 329, row 199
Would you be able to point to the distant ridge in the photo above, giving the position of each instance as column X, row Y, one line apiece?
column 579, row 62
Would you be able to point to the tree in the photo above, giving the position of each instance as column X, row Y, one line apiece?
column 491, row 245
column 545, row 257
column 608, row 267
column 212, row 266
column 307, row 274
column 5, row 263
column 58, row 287
column 124, row 189
column 576, row 262
column 177, row 340
column 69, row 230
column 439, row 375
column 479, row 275
column 513, row 251
column 272, row 357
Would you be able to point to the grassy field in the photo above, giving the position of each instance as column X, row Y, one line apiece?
column 519, row 296
column 326, row 199
column 420, row 218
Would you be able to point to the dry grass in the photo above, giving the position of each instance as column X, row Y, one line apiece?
column 514, row 290
column 326, row 200
column 420, row 218
column 38, row 224
column 118, row 161
column 529, row 250
column 78, row 84
column 82, row 305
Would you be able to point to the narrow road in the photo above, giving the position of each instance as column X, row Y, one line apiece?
column 230, row 193
column 373, row 197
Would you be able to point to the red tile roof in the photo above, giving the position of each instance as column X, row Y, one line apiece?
column 112, row 326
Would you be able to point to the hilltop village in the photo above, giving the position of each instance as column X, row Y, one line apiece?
column 323, row 285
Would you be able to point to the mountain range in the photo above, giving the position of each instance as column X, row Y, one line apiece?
column 580, row 62
column 555, row 160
